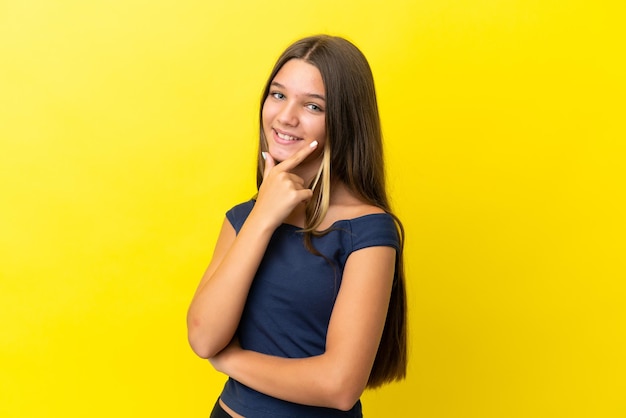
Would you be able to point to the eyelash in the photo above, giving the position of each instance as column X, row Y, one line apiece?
column 279, row 96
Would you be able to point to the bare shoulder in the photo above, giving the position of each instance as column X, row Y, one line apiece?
column 359, row 209
column 348, row 208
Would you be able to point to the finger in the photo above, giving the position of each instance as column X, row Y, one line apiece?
column 305, row 194
column 295, row 179
column 293, row 161
column 269, row 163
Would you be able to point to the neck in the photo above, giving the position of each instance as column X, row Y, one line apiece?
column 308, row 170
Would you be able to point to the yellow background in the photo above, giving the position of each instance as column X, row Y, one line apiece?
column 128, row 128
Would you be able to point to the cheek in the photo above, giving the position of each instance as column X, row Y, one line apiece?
column 320, row 129
column 267, row 113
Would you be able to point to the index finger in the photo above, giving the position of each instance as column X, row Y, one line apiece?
column 298, row 157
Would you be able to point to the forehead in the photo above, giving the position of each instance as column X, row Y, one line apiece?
column 299, row 75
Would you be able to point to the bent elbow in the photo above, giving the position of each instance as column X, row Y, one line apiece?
column 198, row 341
column 346, row 402
column 345, row 394
column 200, row 350
column 203, row 348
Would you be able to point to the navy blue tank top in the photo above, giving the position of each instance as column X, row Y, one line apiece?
column 291, row 300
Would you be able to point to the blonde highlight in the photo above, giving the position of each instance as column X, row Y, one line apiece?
column 318, row 206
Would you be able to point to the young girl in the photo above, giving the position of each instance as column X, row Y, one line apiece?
column 303, row 304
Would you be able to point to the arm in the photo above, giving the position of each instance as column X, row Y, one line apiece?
column 216, row 307
column 337, row 378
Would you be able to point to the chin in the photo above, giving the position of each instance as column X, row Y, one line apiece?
column 279, row 157
column 279, row 154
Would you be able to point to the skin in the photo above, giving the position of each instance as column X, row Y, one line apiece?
column 336, row 378
column 295, row 106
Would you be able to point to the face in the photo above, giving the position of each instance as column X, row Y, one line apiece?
column 294, row 111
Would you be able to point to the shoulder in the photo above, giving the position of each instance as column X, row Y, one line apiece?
column 374, row 229
column 354, row 211
column 238, row 214
column 368, row 226
column 347, row 206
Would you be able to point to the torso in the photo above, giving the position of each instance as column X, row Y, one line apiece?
column 344, row 205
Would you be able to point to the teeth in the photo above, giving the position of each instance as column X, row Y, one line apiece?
column 287, row 137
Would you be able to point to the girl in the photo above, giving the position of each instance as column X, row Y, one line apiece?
column 303, row 304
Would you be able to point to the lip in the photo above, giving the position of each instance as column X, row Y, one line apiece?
column 281, row 141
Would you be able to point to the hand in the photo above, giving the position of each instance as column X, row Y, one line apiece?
column 221, row 360
column 282, row 190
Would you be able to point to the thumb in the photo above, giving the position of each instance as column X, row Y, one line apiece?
column 269, row 163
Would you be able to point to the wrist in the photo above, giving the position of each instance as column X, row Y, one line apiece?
column 261, row 223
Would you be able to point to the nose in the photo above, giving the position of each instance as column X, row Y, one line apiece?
column 288, row 115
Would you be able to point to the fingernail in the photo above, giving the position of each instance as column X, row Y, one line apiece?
column 264, row 155
column 313, row 144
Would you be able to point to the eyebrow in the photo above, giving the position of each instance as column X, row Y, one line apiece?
column 313, row 95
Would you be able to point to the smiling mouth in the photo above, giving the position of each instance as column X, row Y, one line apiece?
column 286, row 137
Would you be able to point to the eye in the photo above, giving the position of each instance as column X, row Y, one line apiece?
column 314, row 107
column 277, row 95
